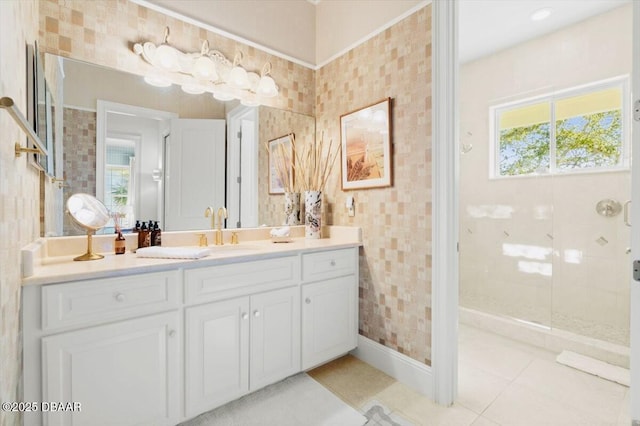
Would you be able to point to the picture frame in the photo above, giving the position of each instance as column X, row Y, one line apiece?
column 280, row 168
column 365, row 136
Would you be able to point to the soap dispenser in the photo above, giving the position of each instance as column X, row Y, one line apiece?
column 156, row 235
column 144, row 236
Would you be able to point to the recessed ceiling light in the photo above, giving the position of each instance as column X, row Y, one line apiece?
column 541, row 14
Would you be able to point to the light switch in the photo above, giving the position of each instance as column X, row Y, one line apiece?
column 351, row 208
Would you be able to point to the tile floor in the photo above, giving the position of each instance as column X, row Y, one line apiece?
column 501, row 382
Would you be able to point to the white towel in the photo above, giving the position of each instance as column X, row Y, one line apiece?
column 173, row 252
column 280, row 232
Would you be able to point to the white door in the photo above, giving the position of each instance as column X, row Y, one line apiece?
column 328, row 320
column 195, row 172
column 275, row 336
column 121, row 374
column 242, row 167
column 635, row 219
column 216, row 354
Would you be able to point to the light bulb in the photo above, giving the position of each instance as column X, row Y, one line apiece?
column 166, row 57
column 192, row 89
column 238, row 78
column 204, row 69
column 157, row 80
column 267, row 87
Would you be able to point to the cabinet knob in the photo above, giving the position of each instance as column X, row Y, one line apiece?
column 245, row 315
column 332, row 263
column 120, row 297
column 256, row 314
column 307, row 301
column 172, row 333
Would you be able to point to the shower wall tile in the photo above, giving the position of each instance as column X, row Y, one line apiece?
column 529, row 246
column 395, row 263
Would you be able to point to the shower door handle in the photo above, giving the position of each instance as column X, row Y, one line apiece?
column 636, row 270
column 626, row 213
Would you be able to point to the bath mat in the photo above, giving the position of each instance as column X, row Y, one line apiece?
column 596, row 367
column 296, row 401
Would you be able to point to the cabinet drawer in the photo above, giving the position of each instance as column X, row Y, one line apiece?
column 329, row 264
column 226, row 281
column 94, row 301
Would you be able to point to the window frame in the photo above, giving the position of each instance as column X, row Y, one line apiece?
column 552, row 98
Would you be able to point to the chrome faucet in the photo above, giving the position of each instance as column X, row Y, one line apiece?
column 209, row 212
column 222, row 212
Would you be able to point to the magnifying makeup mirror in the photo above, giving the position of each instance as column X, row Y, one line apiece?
column 89, row 213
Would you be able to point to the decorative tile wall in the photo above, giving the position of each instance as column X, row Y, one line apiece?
column 79, row 153
column 274, row 123
column 104, row 31
column 395, row 263
column 19, row 194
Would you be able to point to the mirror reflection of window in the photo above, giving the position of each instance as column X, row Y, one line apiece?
column 119, row 184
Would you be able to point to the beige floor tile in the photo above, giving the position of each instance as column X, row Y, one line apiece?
column 420, row 410
column 483, row 421
column 501, row 360
column 521, row 406
column 600, row 398
column 478, row 388
column 624, row 418
column 354, row 381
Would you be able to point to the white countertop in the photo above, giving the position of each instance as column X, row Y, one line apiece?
column 58, row 269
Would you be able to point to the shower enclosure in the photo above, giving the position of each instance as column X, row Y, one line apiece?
column 544, row 181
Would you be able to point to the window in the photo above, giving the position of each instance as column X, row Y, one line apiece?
column 577, row 129
column 119, row 185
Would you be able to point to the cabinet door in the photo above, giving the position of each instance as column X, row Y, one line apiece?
column 275, row 336
column 216, row 354
column 121, row 374
column 329, row 327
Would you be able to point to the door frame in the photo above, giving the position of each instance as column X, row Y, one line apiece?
column 634, row 400
column 445, row 208
column 444, row 279
column 244, row 164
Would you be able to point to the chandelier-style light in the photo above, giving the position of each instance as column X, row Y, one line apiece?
column 206, row 71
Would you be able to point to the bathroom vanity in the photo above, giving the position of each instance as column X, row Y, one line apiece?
column 166, row 339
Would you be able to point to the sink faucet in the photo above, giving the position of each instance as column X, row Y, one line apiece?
column 222, row 212
column 209, row 212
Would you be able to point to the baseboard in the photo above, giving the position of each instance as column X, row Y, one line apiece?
column 406, row 370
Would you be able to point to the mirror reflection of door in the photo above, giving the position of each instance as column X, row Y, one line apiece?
column 130, row 162
column 195, row 172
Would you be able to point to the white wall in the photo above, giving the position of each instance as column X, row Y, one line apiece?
column 553, row 216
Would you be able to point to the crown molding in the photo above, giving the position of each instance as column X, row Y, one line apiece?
column 223, row 33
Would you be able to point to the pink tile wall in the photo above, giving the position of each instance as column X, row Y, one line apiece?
column 395, row 264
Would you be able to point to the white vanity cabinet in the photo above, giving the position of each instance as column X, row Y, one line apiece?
column 329, row 305
column 90, row 342
column 161, row 347
column 245, row 343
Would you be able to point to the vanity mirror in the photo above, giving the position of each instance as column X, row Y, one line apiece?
column 161, row 154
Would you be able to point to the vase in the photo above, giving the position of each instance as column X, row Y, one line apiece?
column 313, row 213
column 292, row 208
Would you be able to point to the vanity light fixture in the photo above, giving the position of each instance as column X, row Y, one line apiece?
column 267, row 86
column 238, row 77
column 206, row 71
